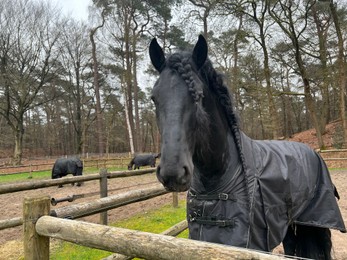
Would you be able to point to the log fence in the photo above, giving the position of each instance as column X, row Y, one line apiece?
column 103, row 177
column 119, row 240
column 60, row 223
column 37, row 184
column 333, row 151
column 101, row 205
column 122, row 162
column 98, row 163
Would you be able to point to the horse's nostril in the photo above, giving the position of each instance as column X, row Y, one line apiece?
column 185, row 176
column 186, row 171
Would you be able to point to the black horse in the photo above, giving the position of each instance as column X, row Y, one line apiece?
column 65, row 166
column 242, row 192
column 143, row 160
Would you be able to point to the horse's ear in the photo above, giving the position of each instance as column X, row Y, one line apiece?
column 200, row 52
column 157, row 55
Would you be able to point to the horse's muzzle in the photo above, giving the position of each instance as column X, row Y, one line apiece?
column 174, row 179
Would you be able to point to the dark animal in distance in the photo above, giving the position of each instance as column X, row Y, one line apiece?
column 143, row 160
column 65, row 166
column 241, row 192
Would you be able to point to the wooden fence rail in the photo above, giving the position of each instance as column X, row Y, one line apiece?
column 96, row 206
column 116, row 162
column 36, row 167
column 172, row 231
column 37, row 184
column 103, row 176
column 129, row 242
column 140, row 244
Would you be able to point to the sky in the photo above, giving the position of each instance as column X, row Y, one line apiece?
column 76, row 8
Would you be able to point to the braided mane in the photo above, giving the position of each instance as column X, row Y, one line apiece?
column 180, row 62
column 215, row 82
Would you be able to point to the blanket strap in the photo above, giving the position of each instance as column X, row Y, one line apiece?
column 213, row 221
column 218, row 196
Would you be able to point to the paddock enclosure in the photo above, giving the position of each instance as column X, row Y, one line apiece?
column 121, row 185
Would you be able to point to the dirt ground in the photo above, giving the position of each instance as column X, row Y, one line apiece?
column 11, row 206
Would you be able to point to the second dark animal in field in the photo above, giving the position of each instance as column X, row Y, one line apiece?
column 65, row 166
column 143, row 160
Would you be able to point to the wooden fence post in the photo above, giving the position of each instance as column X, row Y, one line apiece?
column 175, row 199
column 30, row 172
column 103, row 193
column 35, row 246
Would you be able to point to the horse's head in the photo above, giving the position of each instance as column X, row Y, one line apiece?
column 181, row 119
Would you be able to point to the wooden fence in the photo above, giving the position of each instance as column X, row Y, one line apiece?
column 334, row 158
column 120, row 162
column 39, row 227
column 338, row 156
column 84, row 209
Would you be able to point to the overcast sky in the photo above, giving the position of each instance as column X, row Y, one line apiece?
column 76, row 8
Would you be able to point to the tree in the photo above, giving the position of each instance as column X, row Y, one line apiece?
column 285, row 14
column 207, row 7
column 342, row 66
column 99, row 119
column 260, row 21
column 75, row 59
column 322, row 24
column 28, row 36
column 128, row 21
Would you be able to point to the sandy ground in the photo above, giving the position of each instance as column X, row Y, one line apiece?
column 11, row 206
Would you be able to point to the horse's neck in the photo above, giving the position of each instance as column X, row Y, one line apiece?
column 217, row 162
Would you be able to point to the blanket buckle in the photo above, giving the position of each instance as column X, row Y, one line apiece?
column 223, row 196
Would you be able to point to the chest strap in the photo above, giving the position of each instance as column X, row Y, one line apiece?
column 217, row 196
column 213, row 221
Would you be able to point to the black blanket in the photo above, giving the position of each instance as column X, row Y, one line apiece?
column 283, row 183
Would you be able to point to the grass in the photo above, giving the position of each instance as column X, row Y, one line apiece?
column 154, row 221
column 26, row 176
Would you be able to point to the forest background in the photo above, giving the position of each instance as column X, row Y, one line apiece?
column 70, row 87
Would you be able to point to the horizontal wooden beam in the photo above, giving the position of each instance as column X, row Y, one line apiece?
column 96, row 206
column 10, row 223
column 172, row 231
column 141, row 244
column 334, row 159
column 332, row 151
column 37, row 184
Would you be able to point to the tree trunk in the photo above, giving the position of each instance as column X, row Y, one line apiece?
column 342, row 71
column 136, row 96
column 18, row 149
column 272, row 106
column 235, row 70
column 325, row 107
column 99, row 126
column 79, row 131
column 131, row 139
column 129, row 84
column 310, row 103
column 100, row 131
